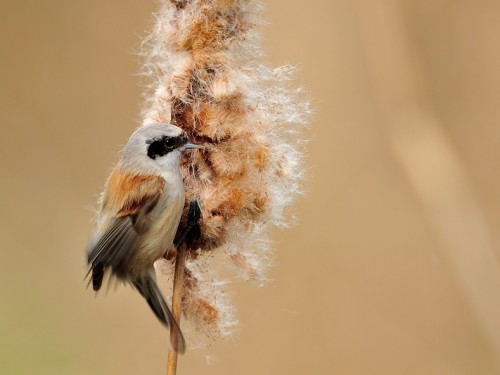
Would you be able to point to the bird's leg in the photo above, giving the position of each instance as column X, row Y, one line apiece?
column 194, row 215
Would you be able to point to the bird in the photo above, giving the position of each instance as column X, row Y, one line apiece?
column 140, row 210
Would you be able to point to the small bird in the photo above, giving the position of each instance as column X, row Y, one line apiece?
column 140, row 211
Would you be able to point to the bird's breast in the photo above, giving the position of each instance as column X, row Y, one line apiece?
column 153, row 244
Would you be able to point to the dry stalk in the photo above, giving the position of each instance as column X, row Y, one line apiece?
column 180, row 264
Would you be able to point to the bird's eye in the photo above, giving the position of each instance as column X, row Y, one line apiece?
column 162, row 146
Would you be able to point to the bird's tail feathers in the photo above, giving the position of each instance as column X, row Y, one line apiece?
column 148, row 288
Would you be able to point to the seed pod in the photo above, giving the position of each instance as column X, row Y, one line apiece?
column 203, row 65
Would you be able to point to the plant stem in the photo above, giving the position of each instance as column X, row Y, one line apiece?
column 180, row 261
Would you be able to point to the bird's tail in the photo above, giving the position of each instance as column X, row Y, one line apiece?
column 146, row 285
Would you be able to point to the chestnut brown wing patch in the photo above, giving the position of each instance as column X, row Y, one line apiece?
column 126, row 193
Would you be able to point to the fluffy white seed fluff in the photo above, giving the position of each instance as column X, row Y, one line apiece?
column 204, row 65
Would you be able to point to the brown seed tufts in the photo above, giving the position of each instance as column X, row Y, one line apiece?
column 182, row 114
column 259, row 202
column 224, row 6
column 227, row 165
column 213, row 29
column 207, row 312
column 242, row 263
column 180, row 4
column 261, row 157
column 233, row 203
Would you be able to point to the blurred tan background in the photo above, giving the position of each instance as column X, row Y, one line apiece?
column 393, row 267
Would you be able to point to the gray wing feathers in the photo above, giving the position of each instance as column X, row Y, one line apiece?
column 143, row 219
column 112, row 250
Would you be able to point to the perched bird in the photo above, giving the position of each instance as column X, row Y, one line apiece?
column 140, row 211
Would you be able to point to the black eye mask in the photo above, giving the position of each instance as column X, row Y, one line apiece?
column 161, row 146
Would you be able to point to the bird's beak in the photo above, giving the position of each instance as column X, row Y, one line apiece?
column 190, row 144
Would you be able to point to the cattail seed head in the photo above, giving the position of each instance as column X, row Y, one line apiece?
column 203, row 65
